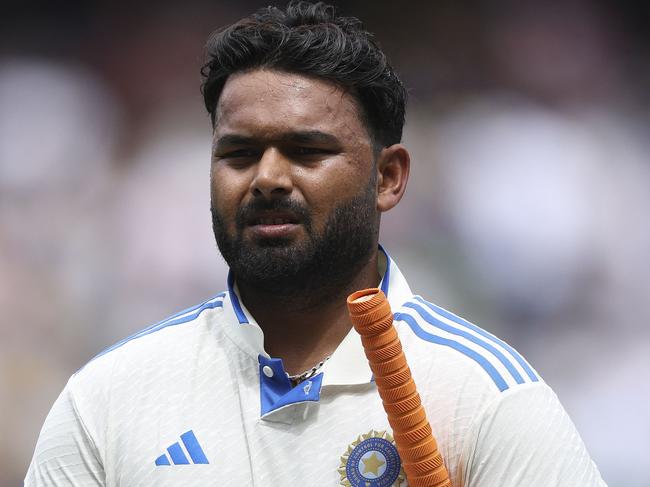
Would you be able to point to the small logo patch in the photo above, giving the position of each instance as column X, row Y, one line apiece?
column 371, row 461
column 177, row 453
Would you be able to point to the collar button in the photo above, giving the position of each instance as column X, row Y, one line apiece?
column 268, row 371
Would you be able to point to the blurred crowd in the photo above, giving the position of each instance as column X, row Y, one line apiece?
column 526, row 211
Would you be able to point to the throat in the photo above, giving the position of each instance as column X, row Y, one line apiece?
column 304, row 338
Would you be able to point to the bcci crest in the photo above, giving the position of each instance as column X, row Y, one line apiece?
column 372, row 461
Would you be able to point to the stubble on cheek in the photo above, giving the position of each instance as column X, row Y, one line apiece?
column 219, row 194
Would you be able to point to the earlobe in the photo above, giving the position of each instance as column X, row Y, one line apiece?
column 393, row 166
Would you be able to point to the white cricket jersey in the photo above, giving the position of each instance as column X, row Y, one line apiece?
column 196, row 401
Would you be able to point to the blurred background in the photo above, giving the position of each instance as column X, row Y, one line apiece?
column 526, row 212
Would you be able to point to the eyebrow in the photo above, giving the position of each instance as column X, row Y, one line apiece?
column 311, row 136
column 302, row 137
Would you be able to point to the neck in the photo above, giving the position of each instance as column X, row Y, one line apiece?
column 304, row 328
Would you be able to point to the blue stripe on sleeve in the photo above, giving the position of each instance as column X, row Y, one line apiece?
column 450, row 316
column 216, row 302
column 468, row 336
column 478, row 358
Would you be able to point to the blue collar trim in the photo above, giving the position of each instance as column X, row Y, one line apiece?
column 276, row 390
column 241, row 316
column 386, row 278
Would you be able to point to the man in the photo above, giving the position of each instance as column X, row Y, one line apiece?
column 266, row 383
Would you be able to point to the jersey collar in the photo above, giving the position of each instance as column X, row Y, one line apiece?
column 348, row 364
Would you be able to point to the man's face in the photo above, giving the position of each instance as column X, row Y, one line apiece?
column 293, row 183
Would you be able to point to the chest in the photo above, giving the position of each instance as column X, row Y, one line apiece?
column 212, row 434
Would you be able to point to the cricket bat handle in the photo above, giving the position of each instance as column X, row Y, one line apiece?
column 373, row 319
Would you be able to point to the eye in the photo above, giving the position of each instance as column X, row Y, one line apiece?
column 238, row 158
column 310, row 151
column 240, row 153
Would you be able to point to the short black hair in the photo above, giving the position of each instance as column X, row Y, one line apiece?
column 311, row 39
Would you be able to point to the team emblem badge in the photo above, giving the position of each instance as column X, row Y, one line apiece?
column 372, row 461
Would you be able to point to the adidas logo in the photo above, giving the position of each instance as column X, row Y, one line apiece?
column 178, row 454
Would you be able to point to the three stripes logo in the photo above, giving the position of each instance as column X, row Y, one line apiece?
column 177, row 452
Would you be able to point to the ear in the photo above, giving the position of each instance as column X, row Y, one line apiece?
column 393, row 165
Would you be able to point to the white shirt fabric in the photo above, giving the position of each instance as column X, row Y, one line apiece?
column 195, row 401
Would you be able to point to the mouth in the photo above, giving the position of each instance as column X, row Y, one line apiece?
column 274, row 225
column 272, row 218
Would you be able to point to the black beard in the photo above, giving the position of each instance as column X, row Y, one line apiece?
column 322, row 265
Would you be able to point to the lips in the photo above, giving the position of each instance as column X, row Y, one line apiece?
column 272, row 218
column 272, row 221
column 271, row 225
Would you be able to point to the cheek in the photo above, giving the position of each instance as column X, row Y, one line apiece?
column 327, row 193
column 226, row 194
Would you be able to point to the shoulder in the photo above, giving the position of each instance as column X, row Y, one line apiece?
column 528, row 426
column 462, row 349
column 156, row 345
column 465, row 376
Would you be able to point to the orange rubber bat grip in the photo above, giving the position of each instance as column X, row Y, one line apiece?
column 373, row 319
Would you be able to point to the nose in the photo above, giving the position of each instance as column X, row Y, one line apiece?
column 273, row 175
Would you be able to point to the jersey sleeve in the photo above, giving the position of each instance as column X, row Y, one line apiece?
column 65, row 453
column 525, row 437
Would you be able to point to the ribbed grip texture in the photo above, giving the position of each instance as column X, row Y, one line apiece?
column 373, row 319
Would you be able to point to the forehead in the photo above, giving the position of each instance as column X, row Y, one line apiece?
column 272, row 101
